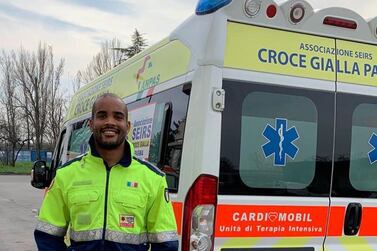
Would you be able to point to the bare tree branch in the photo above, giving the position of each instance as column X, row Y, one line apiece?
column 39, row 79
column 110, row 55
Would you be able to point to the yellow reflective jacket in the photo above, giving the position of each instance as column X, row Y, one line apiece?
column 125, row 207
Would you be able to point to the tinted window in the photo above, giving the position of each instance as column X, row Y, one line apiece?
column 57, row 161
column 276, row 141
column 78, row 142
column 147, row 124
column 158, row 125
column 273, row 155
column 355, row 172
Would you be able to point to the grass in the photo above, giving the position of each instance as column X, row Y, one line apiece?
column 20, row 168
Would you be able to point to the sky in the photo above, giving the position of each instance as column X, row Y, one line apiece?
column 76, row 28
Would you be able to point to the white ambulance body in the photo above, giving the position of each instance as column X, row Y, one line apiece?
column 264, row 118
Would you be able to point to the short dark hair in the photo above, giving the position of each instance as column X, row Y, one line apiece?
column 108, row 95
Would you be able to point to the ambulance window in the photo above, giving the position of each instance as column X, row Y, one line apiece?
column 363, row 159
column 147, row 129
column 276, row 140
column 157, row 130
column 355, row 165
column 78, row 142
column 271, row 126
column 57, row 161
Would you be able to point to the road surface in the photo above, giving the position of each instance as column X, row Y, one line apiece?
column 18, row 199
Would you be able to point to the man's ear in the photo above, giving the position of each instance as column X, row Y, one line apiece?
column 128, row 126
column 91, row 125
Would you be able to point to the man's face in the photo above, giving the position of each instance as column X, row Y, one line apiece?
column 109, row 123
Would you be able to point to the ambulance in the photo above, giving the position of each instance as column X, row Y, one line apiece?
column 263, row 115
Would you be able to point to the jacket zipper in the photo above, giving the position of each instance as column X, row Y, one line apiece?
column 105, row 210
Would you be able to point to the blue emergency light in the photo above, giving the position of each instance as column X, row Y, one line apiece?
column 209, row 6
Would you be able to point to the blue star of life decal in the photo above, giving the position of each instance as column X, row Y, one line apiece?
column 372, row 155
column 280, row 142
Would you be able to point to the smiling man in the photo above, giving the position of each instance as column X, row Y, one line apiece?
column 109, row 199
column 109, row 125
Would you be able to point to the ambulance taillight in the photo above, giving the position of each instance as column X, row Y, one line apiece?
column 199, row 214
column 340, row 22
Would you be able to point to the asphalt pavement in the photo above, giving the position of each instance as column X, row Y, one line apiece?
column 18, row 204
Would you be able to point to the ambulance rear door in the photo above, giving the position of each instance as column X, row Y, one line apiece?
column 353, row 218
column 276, row 141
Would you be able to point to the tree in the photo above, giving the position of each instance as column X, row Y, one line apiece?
column 103, row 61
column 56, row 104
column 110, row 55
column 138, row 44
column 38, row 79
column 11, row 120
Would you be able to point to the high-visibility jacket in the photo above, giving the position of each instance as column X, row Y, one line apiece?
column 125, row 207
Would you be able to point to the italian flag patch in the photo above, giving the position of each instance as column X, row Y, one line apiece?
column 132, row 184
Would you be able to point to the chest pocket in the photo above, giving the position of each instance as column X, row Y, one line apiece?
column 81, row 198
column 130, row 199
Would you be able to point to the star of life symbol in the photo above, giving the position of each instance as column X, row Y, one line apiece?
column 372, row 155
column 280, row 142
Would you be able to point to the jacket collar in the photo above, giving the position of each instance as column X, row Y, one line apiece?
column 127, row 154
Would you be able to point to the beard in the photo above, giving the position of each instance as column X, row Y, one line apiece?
column 110, row 144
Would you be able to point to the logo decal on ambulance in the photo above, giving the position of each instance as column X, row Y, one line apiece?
column 126, row 220
column 372, row 155
column 271, row 220
column 272, row 216
column 280, row 142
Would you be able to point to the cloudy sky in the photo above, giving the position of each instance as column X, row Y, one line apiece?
column 75, row 28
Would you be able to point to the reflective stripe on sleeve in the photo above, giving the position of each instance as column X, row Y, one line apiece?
column 50, row 229
column 163, row 237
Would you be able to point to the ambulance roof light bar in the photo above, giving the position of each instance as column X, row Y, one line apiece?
column 209, row 6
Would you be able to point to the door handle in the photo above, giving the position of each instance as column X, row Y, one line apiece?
column 353, row 219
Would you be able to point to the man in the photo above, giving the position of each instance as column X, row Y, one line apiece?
column 109, row 199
